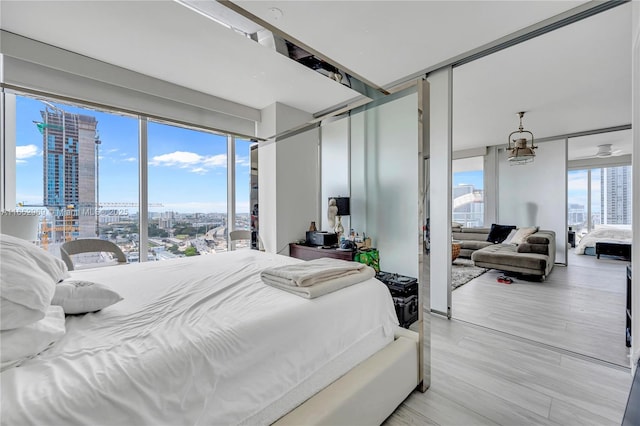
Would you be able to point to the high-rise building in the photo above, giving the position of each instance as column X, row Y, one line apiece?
column 615, row 195
column 69, row 161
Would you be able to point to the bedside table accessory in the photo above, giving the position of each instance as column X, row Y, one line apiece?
column 368, row 256
column 343, row 209
column 316, row 277
column 318, row 238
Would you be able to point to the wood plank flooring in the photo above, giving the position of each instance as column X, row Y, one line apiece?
column 485, row 377
column 579, row 308
column 548, row 353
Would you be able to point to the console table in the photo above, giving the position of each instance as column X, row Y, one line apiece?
column 304, row 252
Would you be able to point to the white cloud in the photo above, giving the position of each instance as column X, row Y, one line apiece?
column 196, row 163
column 25, row 151
column 243, row 161
column 130, row 159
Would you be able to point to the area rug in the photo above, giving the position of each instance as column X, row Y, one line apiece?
column 463, row 271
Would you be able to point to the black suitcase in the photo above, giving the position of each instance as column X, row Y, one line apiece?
column 399, row 285
column 406, row 310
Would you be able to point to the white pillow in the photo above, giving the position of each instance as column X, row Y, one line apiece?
column 522, row 234
column 81, row 297
column 23, row 343
column 510, row 236
column 27, row 281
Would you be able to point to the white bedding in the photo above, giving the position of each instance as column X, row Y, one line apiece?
column 197, row 341
column 604, row 234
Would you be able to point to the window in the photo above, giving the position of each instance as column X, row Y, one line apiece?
column 467, row 204
column 78, row 168
column 187, row 181
column 599, row 196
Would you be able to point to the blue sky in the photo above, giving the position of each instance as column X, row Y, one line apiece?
column 187, row 168
column 474, row 178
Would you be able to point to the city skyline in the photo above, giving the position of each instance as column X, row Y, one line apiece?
column 186, row 168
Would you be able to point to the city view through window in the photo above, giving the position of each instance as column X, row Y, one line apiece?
column 598, row 196
column 78, row 169
column 467, row 204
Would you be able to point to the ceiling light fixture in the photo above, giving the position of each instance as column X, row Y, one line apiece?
column 520, row 152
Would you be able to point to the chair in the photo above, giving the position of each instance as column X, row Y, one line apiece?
column 243, row 235
column 89, row 245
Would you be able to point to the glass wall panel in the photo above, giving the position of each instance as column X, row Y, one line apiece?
column 468, row 192
column 187, row 190
column 78, row 168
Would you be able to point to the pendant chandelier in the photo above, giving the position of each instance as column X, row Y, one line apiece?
column 520, row 151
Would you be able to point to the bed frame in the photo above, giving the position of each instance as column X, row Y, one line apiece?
column 367, row 394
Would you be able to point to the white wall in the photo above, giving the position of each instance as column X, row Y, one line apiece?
column 335, row 166
column 440, row 190
column 288, row 179
column 535, row 194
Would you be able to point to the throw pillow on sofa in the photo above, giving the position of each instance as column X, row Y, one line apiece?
column 522, row 234
column 499, row 233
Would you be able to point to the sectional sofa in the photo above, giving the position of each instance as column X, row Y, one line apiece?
column 534, row 256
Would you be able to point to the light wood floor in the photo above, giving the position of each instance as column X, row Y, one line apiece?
column 485, row 377
column 580, row 307
column 548, row 353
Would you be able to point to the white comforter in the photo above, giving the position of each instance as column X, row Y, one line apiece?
column 196, row 341
column 604, row 233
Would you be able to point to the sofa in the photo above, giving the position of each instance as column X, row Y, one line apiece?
column 535, row 255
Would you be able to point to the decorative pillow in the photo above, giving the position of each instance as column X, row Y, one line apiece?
column 81, row 297
column 509, row 237
column 522, row 234
column 538, row 239
column 23, row 343
column 27, row 281
column 498, row 233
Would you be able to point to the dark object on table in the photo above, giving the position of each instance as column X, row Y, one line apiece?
column 317, row 238
column 404, row 291
column 632, row 412
column 347, row 245
column 613, row 249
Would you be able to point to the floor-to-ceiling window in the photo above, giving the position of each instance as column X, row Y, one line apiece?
column 187, row 191
column 468, row 192
column 598, row 196
column 78, row 169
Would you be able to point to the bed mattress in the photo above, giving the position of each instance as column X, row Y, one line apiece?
column 197, row 341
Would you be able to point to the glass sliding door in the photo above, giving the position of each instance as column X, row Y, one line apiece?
column 246, row 189
column 187, row 187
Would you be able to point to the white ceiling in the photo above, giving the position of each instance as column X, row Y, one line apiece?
column 573, row 79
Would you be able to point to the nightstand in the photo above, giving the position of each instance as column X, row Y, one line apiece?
column 301, row 251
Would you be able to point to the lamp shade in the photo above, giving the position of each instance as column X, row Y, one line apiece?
column 20, row 226
column 343, row 206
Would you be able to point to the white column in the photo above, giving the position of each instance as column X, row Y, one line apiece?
column 440, row 189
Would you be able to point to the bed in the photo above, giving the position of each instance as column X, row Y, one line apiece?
column 203, row 340
column 603, row 233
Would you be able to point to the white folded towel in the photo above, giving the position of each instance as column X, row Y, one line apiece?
column 316, row 277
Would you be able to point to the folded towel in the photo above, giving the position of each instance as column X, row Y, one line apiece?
column 305, row 274
column 323, row 287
